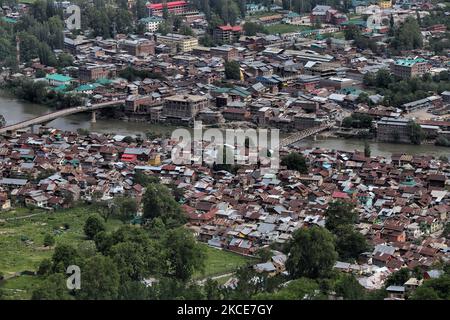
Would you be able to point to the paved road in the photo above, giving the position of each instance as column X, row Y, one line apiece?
column 203, row 281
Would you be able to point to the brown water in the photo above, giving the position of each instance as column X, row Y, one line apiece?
column 15, row 110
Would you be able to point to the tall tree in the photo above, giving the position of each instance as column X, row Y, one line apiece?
column 100, row 279
column 340, row 213
column 53, row 287
column 159, row 202
column 295, row 161
column 184, row 254
column 311, row 253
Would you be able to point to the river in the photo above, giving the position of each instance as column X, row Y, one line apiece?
column 15, row 110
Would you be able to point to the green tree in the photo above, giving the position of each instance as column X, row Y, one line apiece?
column 186, row 30
column 211, row 289
column 104, row 242
column 408, row 36
column 130, row 260
column 424, row 293
column 134, row 290
column 433, row 289
column 100, row 279
column 349, row 243
column 126, row 208
column 264, row 254
column 54, row 287
column 141, row 9
column 311, row 253
column 298, row 289
column 415, row 131
column 159, row 202
column 45, row 267
column 295, row 161
column 232, row 70
column 349, row 288
column 64, row 256
column 446, row 230
column 340, row 213
column 398, row 278
column 367, row 151
column 65, row 60
column 49, row 240
column 184, row 255
column 144, row 179
column 164, row 28
column 93, row 226
column 251, row 29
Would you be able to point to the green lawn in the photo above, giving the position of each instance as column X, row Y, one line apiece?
column 17, row 254
column 20, row 288
column 258, row 15
column 221, row 262
column 285, row 28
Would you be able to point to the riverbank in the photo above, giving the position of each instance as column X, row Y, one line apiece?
column 377, row 148
column 15, row 110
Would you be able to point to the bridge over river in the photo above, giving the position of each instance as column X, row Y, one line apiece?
column 57, row 114
column 304, row 134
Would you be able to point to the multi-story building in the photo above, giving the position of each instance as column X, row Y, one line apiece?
column 92, row 72
column 139, row 47
column 398, row 130
column 407, row 68
column 393, row 130
column 178, row 41
column 227, row 34
column 151, row 23
column 385, row 4
column 183, row 108
column 175, row 7
column 228, row 53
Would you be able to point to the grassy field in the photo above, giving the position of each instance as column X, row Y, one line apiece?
column 221, row 262
column 259, row 15
column 20, row 288
column 21, row 241
column 21, row 246
column 285, row 28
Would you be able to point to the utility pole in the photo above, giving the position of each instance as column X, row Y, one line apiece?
column 18, row 51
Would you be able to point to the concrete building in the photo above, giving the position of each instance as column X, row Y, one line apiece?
column 397, row 130
column 139, row 47
column 227, row 34
column 151, row 23
column 228, row 53
column 56, row 79
column 183, row 108
column 174, row 7
column 92, row 72
column 407, row 68
column 178, row 41
column 393, row 130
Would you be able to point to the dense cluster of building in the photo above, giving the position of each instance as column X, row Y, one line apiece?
column 402, row 202
column 291, row 81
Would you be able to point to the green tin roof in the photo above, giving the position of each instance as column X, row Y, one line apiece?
column 9, row 20
column 409, row 62
column 58, row 77
column 89, row 86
